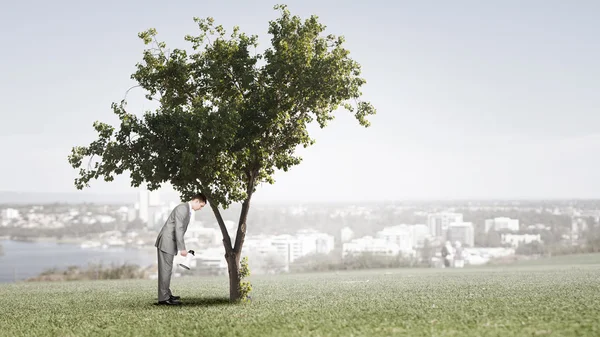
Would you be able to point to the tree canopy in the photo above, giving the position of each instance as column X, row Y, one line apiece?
column 228, row 117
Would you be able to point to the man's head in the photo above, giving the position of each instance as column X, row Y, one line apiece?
column 198, row 201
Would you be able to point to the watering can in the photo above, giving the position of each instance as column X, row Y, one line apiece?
column 188, row 260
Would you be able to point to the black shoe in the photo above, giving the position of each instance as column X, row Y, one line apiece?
column 176, row 298
column 169, row 302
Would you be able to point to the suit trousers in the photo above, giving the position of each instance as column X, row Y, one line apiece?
column 165, row 268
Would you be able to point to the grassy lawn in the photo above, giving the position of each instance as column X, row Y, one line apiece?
column 590, row 258
column 551, row 299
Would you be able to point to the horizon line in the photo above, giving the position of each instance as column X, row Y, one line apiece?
column 330, row 200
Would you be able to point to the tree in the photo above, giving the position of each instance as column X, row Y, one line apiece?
column 227, row 117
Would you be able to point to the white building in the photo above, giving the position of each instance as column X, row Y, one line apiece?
column 420, row 233
column 515, row 239
column 438, row 222
column 482, row 255
column 210, row 260
column 347, row 234
column 290, row 247
column 501, row 223
column 149, row 208
column 154, row 198
column 578, row 226
column 463, row 232
column 369, row 244
column 264, row 255
column 131, row 214
column 143, row 205
column 401, row 235
column 314, row 242
column 287, row 247
column 202, row 236
column 10, row 214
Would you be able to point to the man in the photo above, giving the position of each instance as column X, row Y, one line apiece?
column 170, row 241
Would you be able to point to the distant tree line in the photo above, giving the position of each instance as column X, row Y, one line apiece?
column 559, row 225
column 93, row 272
column 366, row 260
column 589, row 244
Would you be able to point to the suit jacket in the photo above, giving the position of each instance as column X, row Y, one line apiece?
column 170, row 237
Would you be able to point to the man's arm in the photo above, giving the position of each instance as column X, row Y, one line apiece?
column 180, row 214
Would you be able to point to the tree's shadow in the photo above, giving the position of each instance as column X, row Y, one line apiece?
column 204, row 301
column 198, row 302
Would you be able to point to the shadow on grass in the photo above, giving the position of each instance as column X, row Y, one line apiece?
column 200, row 302
column 204, row 301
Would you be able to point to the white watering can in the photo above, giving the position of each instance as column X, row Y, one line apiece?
column 187, row 263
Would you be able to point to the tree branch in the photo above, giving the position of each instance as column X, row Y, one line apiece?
column 127, row 92
column 235, row 82
column 90, row 162
column 241, row 230
column 159, row 48
column 221, row 222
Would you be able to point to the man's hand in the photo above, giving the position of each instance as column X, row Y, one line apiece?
column 183, row 253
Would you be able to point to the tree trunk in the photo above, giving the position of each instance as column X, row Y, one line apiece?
column 232, row 256
column 233, row 252
column 233, row 264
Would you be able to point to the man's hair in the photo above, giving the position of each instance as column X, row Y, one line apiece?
column 200, row 197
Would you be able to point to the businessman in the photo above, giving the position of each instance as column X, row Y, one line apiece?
column 170, row 242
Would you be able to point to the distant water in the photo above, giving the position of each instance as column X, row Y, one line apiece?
column 22, row 260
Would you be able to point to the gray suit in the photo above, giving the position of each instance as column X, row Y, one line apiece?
column 168, row 243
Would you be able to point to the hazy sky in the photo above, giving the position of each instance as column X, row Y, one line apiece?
column 474, row 98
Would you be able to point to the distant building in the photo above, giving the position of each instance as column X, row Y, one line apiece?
column 149, row 208
column 539, row 226
column 202, row 236
column 482, row 255
column 207, row 261
column 420, row 233
column 154, row 198
column 4, row 220
column 315, row 242
column 277, row 245
column 578, row 226
column 516, row 239
column 143, row 205
column 595, row 214
column 346, row 234
column 131, row 214
column 502, row 223
column 400, row 235
column 288, row 247
column 10, row 214
column 369, row 244
column 463, row 232
column 438, row 222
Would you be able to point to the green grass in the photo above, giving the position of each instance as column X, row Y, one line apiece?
column 578, row 259
column 537, row 300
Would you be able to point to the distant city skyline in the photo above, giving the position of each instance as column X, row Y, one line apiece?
column 475, row 100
